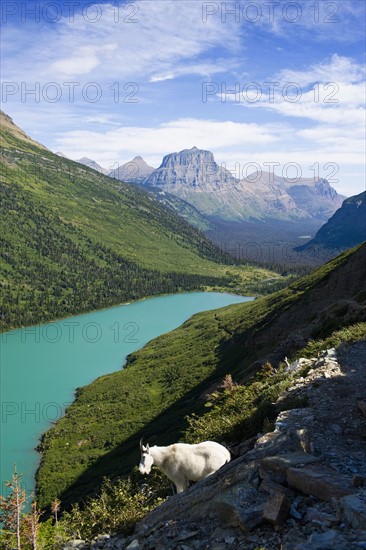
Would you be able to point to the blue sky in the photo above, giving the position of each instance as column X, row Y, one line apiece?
column 261, row 84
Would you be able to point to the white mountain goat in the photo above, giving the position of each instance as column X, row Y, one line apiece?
column 182, row 462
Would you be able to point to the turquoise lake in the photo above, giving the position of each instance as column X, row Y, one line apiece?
column 41, row 366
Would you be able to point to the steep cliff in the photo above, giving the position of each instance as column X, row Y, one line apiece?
column 193, row 175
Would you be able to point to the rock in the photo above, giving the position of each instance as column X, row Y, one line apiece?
column 335, row 428
column 251, row 517
column 134, row 545
column 329, row 539
column 272, row 487
column 319, row 481
column 314, row 515
column 353, row 510
column 76, row 543
column 332, row 354
column 277, row 508
column 119, row 544
column 281, row 463
column 186, row 535
column 359, row 481
column 299, row 364
column 362, row 406
column 294, row 513
column 246, row 520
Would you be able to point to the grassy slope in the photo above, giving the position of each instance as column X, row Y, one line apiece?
column 73, row 240
column 121, row 216
column 166, row 380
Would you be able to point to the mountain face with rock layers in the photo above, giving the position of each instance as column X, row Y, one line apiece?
column 346, row 228
column 134, row 171
column 193, row 174
column 190, row 169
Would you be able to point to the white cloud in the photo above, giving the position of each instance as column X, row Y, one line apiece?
column 83, row 61
column 203, row 69
column 337, row 69
column 236, row 145
column 331, row 92
column 165, row 138
column 163, row 38
column 99, row 120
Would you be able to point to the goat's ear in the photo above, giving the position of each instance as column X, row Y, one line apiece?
column 147, row 448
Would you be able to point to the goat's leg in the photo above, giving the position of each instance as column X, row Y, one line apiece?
column 181, row 485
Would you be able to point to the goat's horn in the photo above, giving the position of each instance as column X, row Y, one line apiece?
column 141, row 443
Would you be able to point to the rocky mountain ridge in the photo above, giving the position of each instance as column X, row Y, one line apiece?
column 299, row 487
column 194, row 176
column 134, row 171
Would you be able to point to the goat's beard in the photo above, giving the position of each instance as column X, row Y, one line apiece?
column 145, row 468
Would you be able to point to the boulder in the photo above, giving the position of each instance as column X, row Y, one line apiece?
column 320, row 481
column 281, row 463
column 353, row 510
column 277, row 508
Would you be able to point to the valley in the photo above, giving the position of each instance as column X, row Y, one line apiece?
column 73, row 241
column 169, row 378
column 263, row 218
column 182, row 260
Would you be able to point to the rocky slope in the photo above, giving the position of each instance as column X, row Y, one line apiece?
column 346, row 228
column 300, row 487
column 154, row 396
column 193, row 174
column 134, row 171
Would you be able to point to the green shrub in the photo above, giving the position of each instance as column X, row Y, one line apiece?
column 117, row 508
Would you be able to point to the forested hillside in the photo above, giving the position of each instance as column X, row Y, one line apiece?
column 74, row 240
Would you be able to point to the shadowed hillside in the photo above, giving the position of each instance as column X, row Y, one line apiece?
column 171, row 375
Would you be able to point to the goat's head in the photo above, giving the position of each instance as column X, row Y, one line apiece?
column 146, row 459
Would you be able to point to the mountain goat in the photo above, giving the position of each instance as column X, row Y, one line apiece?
column 182, row 462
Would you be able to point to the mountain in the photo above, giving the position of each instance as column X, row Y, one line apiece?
column 134, row 171
column 193, row 175
column 346, row 228
column 72, row 240
column 191, row 169
column 92, row 164
column 172, row 375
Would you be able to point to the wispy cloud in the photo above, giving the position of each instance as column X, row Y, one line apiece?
column 158, row 141
column 342, row 20
column 147, row 61
column 331, row 92
column 159, row 39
